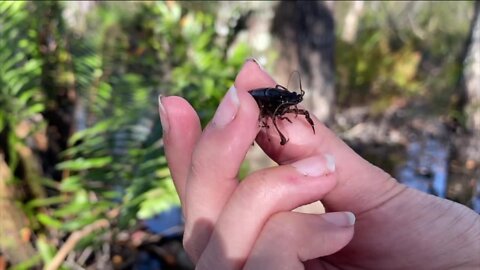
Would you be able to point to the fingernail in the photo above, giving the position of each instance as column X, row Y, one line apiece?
column 330, row 162
column 316, row 165
column 163, row 115
column 256, row 62
column 342, row 219
column 228, row 108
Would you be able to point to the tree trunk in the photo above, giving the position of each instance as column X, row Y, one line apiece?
column 305, row 34
column 350, row 28
column 464, row 186
column 13, row 244
column 471, row 75
column 61, row 95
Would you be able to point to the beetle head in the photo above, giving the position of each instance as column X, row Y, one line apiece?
column 299, row 97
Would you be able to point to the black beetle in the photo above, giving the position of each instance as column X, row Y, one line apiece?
column 275, row 102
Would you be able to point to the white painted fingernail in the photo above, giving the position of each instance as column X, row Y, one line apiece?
column 256, row 62
column 330, row 162
column 315, row 166
column 342, row 219
column 227, row 110
column 163, row 115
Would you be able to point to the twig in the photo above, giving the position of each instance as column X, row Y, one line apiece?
column 73, row 240
column 84, row 256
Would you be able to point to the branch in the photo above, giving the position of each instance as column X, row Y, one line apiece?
column 72, row 240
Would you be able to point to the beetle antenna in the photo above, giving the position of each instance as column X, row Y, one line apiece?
column 301, row 89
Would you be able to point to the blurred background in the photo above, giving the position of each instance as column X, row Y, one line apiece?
column 84, row 182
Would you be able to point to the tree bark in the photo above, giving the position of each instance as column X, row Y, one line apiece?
column 350, row 28
column 464, row 184
column 13, row 244
column 305, row 34
column 61, row 95
column 471, row 75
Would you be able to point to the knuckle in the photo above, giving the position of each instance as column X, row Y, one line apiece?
column 196, row 166
column 198, row 161
column 256, row 187
column 200, row 165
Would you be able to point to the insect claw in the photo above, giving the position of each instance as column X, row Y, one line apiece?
column 310, row 121
column 283, row 141
column 285, row 118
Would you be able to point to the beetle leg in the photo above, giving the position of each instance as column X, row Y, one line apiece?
column 276, row 115
column 264, row 124
column 307, row 116
column 283, row 140
column 285, row 118
column 296, row 111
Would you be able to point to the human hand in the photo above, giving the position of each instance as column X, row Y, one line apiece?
column 396, row 227
column 230, row 225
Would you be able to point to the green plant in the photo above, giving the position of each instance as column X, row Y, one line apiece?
column 402, row 51
column 373, row 69
column 20, row 97
column 21, row 105
column 121, row 157
column 114, row 159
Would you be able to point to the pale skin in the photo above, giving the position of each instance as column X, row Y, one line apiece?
column 250, row 224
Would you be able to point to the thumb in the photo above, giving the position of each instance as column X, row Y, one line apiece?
column 361, row 186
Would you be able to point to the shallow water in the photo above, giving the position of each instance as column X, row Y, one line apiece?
column 426, row 168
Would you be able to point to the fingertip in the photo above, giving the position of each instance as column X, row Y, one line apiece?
column 183, row 119
column 177, row 105
column 249, row 105
column 329, row 233
column 183, row 132
column 252, row 76
column 318, row 165
column 341, row 219
column 163, row 115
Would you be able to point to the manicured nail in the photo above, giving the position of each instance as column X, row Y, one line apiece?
column 316, row 165
column 330, row 162
column 342, row 219
column 163, row 115
column 228, row 108
column 256, row 62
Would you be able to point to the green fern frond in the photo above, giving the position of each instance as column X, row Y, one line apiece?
column 20, row 99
